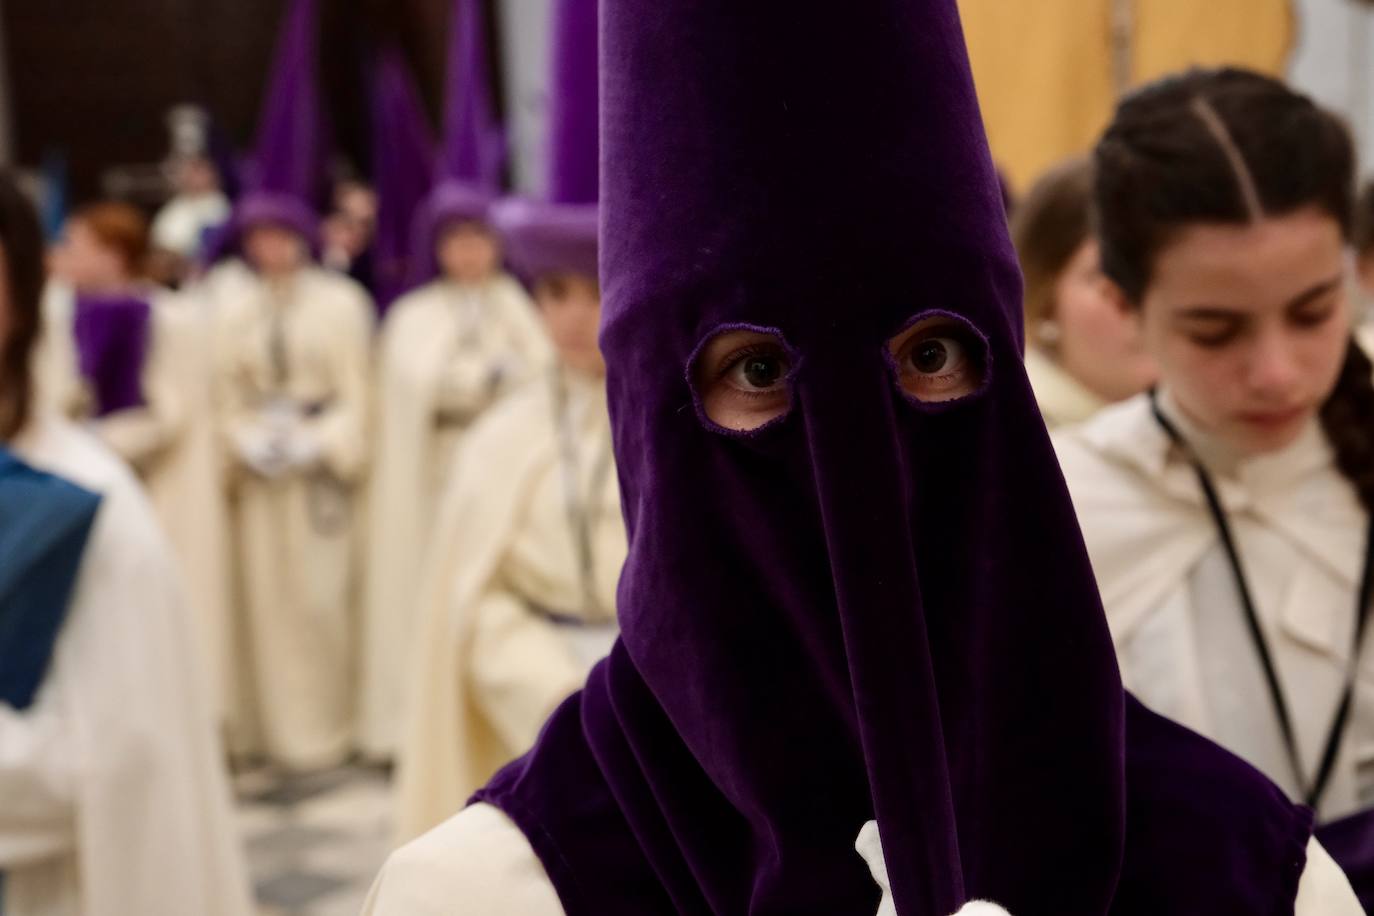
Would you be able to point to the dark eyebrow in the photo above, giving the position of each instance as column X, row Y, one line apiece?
column 1217, row 313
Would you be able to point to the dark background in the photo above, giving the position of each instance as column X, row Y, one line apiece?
column 94, row 79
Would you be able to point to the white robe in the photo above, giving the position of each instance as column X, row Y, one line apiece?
column 1063, row 399
column 170, row 443
column 113, row 800
column 294, row 535
column 488, row 666
column 446, row 354
column 1172, row 601
column 480, row 864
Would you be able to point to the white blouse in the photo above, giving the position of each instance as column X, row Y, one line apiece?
column 1173, row 603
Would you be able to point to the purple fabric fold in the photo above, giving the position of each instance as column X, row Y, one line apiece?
column 112, row 336
column 403, row 167
column 871, row 608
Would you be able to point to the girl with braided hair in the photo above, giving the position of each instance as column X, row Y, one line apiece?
column 1227, row 513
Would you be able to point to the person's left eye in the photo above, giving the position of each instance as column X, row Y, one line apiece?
column 937, row 360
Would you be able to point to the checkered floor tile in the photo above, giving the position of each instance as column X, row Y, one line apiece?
column 314, row 842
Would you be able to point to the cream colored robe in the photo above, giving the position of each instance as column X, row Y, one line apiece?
column 487, row 667
column 446, row 354
column 1172, row 601
column 295, row 535
column 171, row 444
column 479, row 863
column 1046, row 71
column 113, row 800
column 1062, row 398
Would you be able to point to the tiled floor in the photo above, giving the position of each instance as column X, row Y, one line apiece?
column 314, row 842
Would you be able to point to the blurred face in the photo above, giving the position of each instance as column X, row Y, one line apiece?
column 86, row 262
column 468, row 253
column 1249, row 325
column 1099, row 341
column 274, row 250
column 571, row 305
column 194, row 175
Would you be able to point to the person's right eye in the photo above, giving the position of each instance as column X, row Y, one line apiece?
column 742, row 378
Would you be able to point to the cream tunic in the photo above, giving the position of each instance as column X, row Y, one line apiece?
column 302, row 351
column 447, row 353
column 1172, row 601
column 171, row 443
column 113, row 800
column 507, row 629
column 483, row 860
column 1062, row 398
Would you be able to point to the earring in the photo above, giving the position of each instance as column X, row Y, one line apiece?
column 1047, row 332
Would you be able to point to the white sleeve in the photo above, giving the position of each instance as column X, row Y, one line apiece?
column 477, row 861
column 1324, row 889
column 37, row 780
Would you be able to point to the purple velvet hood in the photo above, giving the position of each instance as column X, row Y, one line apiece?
column 112, row 336
column 874, row 608
column 559, row 233
column 403, row 170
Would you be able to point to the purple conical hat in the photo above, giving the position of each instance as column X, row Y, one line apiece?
column 291, row 156
column 471, row 158
column 560, row 232
column 402, row 163
column 878, row 606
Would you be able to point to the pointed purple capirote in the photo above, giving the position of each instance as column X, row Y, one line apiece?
column 472, row 155
column 878, row 606
column 473, row 151
column 402, row 167
column 290, row 159
column 559, row 233
column 112, row 337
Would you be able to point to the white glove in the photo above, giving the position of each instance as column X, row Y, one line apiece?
column 870, row 846
column 261, row 450
column 303, row 449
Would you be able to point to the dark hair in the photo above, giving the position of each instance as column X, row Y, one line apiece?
column 21, row 244
column 1231, row 146
column 1048, row 227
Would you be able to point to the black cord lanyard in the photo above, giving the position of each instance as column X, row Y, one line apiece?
column 1313, row 793
column 581, row 513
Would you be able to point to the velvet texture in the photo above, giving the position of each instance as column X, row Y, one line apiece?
column 403, row 170
column 112, row 337
column 874, row 607
column 44, row 525
column 559, row 233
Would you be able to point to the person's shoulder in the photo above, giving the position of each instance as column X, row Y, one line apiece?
column 58, row 446
column 478, row 857
column 1206, row 831
column 1120, row 450
column 339, row 290
column 126, row 533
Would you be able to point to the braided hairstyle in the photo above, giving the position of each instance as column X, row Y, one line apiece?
column 1231, row 146
column 21, row 258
